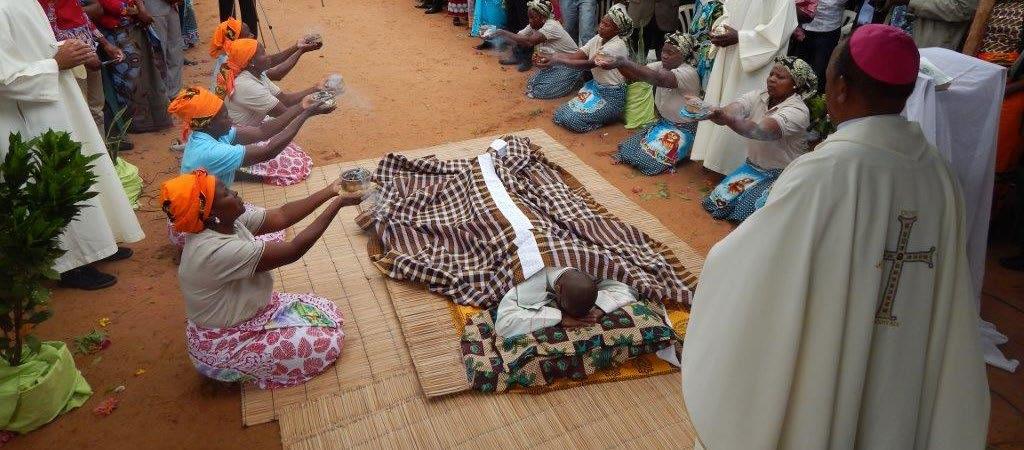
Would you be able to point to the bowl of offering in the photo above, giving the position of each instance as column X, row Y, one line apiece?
column 313, row 39
column 325, row 98
column 696, row 109
column 355, row 180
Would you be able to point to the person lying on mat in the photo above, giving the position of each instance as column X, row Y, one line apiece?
column 238, row 327
column 559, row 296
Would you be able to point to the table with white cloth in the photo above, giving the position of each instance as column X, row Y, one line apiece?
column 963, row 122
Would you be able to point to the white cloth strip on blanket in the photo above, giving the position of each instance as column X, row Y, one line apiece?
column 526, row 243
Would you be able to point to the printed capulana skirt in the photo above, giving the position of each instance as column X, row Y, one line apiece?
column 741, row 192
column 291, row 340
column 178, row 238
column 659, row 147
column 594, row 106
column 289, row 167
column 553, row 82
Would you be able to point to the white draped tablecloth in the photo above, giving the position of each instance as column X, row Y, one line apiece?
column 963, row 121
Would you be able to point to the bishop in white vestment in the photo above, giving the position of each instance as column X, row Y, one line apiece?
column 841, row 315
column 36, row 96
column 763, row 28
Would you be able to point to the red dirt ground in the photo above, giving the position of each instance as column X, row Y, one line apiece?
column 414, row 81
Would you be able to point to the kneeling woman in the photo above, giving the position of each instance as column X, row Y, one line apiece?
column 544, row 36
column 238, row 328
column 215, row 144
column 602, row 100
column 775, row 120
column 659, row 147
column 251, row 98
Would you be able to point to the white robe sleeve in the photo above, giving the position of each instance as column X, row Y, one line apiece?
column 758, row 45
column 612, row 295
column 730, row 317
column 514, row 319
column 22, row 78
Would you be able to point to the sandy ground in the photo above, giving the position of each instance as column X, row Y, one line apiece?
column 414, row 81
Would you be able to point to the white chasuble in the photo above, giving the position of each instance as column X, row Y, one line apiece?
column 841, row 314
column 35, row 96
column 764, row 28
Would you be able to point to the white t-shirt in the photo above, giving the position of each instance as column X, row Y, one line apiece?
column 253, row 98
column 558, row 40
column 829, row 16
column 793, row 118
column 218, row 275
column 615, row 47
column 670, row 101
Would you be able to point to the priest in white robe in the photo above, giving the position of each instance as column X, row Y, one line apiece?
column 840, row 315
column 37, row 93
column 756, row 31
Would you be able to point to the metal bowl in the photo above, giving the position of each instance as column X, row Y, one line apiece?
column 355, row 180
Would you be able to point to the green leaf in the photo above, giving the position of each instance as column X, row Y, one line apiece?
column 33, row 343
column 40, row 316
column 51, row 274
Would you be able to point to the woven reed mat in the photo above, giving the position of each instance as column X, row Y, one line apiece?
column 337, row 268
column 432, row 325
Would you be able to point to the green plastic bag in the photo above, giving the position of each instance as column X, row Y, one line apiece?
column 131, row 181
column 639, row 105
column 44, row 386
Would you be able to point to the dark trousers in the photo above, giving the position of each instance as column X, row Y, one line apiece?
column 816, row 49
column 249, row 17
column 517, row 17
column 654, row 39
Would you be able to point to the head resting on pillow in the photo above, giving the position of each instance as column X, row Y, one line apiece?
column 576, row 293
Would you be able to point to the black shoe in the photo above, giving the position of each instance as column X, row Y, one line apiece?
column 125, row 145
column 433, row 10
column 122, row 253
column 86, row 278
column 1015, row 263
column 525, row 66
column 485, row 45
column 423, row 6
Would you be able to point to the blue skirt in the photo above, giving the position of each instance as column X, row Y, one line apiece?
column 553, row 82
column 659, row 147
column 741, row 193
column 593, row 107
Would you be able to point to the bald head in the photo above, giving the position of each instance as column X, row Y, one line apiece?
column 576, row 292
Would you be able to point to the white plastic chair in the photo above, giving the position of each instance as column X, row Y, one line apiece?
column 686, row 16
column 848, row 18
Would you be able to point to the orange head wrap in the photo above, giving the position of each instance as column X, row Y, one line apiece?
column 188, row 200
column 240, row 54
column 226, row 32
column 195, row 106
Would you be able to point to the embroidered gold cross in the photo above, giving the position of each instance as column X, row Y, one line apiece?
column 884, row 316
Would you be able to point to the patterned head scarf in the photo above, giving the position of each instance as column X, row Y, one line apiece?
column 543, row 7
column 226, row 32
column 803, row 75
column 188, row 200
column 621, row 18
column 195, row 106
column 684, row 42
column 240, row 54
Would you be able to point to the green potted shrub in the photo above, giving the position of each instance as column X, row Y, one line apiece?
column 43, row 184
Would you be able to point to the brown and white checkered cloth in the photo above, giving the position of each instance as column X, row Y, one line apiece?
column 438, row 224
